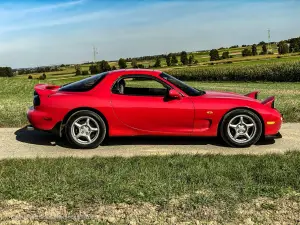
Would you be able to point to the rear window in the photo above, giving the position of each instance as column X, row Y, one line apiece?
column 85, row 84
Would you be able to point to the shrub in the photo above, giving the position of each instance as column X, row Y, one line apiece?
column 85, row 72
column 30, row 77
column 246, row 52
column 214, row 55
column 41, row 77
column 122, row 63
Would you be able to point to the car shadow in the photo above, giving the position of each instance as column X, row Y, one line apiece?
column 48, row 139
column 36, row 137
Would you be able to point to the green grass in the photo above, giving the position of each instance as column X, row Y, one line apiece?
column 205, row 180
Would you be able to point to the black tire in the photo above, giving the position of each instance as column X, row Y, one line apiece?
column 96, row 120
column 226, row 132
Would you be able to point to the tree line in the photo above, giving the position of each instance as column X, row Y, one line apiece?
column 6, row 72
column 44, row 69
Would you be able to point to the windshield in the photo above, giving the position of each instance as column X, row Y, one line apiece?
column 85, row 84
column 182, row 86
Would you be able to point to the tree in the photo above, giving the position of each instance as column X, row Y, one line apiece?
column 99, row 67
column 78, row 70
column 93, row 69
column 254, row 49
column 174, row 60
column 6, row 72
column 157, row 62
column 30, row 77
column 184, row 58
column 297, row 48
column 168, row 59
column 134, row 63
column 191, row 59
column 225, row 55
column 262, row 43
column 122, row 63
column 246, row 52
column 283, row 48
column 103, row 66
column 294, row 44
column 214, row 55
column 264, row 49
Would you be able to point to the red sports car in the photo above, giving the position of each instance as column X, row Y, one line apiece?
column 148, row 102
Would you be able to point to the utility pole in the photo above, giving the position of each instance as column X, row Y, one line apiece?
column 95, row 51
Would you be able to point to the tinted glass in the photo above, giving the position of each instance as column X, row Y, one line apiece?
column 182, row 86
column 85, row 84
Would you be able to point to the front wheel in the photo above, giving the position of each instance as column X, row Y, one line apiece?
column 241, row 128
column 85, row 129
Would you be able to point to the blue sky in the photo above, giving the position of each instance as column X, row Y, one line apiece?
column 34, row 33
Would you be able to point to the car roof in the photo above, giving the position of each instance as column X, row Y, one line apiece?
column 136, row 71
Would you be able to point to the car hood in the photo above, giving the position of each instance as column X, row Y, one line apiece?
column 228, row 95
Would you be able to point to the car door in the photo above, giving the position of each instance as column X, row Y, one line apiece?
column 141, row 104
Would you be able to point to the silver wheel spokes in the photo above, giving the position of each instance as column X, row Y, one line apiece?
column 85, row 130
column 241, row 129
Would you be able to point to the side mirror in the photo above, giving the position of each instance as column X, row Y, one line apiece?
column 174, row 94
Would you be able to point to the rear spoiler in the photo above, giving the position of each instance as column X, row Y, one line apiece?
column 270, row 102
column 45, row 89
column 252, row 94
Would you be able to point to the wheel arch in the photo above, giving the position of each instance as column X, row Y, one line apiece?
column 73, row 111
column 250, row 109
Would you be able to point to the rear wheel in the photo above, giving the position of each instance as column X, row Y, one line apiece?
column 85, row 129
column 241, row 128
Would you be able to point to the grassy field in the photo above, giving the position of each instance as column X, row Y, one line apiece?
column 208, row 188
column 17, row 95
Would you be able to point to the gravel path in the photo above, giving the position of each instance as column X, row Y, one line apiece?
column 20, row 143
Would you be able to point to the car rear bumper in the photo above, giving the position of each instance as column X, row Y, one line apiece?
column 40, row 120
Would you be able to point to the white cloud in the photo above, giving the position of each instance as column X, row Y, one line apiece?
column 21, row 10
column 54, row 6
column 61, row 21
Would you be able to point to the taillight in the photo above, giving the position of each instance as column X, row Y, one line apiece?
column 36, row 99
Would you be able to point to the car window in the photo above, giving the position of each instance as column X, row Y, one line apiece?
column 85, row 84
column 140, row 86
column 191, row 91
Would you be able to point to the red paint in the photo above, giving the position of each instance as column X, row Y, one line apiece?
column 146, row 115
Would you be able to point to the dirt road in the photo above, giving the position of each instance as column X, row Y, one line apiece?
column 20, row 143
